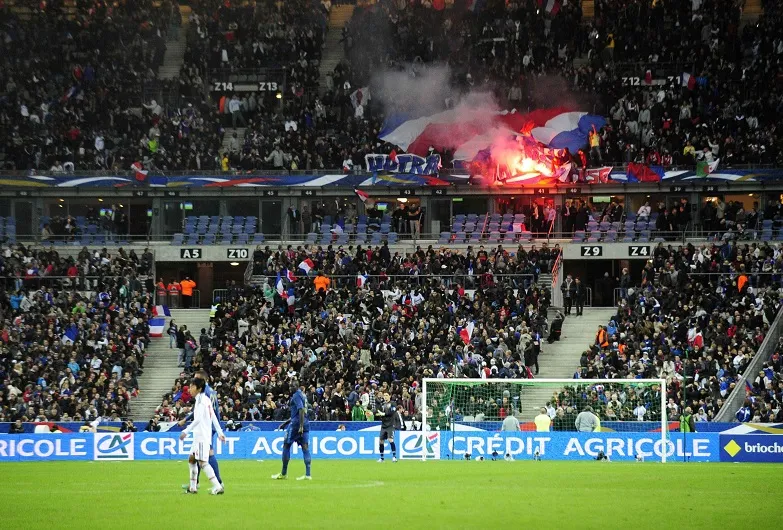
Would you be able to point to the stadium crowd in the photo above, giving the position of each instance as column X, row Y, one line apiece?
column 87, row 112
column 695, row 317
column 71, row 353
column 347, row 343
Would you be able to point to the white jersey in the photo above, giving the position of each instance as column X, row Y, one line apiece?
column 203, row 421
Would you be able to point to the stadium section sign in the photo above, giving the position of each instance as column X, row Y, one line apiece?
column 701, row 447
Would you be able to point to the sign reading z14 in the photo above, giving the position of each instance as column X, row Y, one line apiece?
column 591, row 251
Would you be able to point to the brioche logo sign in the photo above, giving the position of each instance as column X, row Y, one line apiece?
column 752, row 448
column 418, row 445
column 113, row 446
column 732, row 448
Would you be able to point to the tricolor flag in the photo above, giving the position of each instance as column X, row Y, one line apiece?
column 550, row 6
column 156, row 327
column 360, row 96
column 748, row 388
column 307, row 265
column 467, row 332
column 290, row 276
column 475, row 5
column 361, row 279
column 161, row 311
column 688, row 81
column 362, row 195
column 139, row 172
column 279, row 285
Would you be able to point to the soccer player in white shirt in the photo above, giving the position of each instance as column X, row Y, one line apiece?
column 203, row 421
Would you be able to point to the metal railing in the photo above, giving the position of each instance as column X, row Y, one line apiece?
column 466, row 280
column 767, row 348
column 219, row 295
column 80, row 283
column 506, row 238
column 618, row 165
column 175, row 300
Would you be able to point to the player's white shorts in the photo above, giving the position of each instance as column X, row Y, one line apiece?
column 200, row 450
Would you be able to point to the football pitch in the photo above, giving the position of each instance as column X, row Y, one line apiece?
column 407, row 494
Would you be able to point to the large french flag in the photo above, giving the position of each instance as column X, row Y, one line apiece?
column 156, row 327
column 161, row 311
column 468, row 132
column 279, row 285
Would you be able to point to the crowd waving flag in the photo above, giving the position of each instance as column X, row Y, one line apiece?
column 307, row 265
column 161, row 311
column 550, row 6
column 469, row 132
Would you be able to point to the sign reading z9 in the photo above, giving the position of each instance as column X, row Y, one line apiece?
column 591, row 251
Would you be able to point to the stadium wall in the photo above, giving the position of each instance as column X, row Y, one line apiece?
column 259, row 445
column 638, row 426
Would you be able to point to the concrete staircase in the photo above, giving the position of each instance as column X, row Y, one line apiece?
column 160, row 372
column 561, row 359
column 160, row 365
column 175, row 47
column 333, row 51
column 229, row 133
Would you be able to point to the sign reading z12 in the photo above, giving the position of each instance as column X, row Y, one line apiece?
column 591, row 251
column 237, row 253
column 639, row 251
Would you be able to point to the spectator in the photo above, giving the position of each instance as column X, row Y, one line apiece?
column 586, row 421
column 542, row 421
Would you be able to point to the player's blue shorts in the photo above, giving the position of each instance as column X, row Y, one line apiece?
column 295, row 437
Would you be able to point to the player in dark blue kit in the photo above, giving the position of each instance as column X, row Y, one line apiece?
column 211, row 393
column 297, row 430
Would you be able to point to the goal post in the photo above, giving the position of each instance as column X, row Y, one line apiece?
column 625, row 418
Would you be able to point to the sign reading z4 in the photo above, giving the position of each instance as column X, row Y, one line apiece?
column 639, row 251
column 591, row 251
column 237, row 253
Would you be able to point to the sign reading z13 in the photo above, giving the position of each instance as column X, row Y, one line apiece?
column 237, row 253
column 638, row 251
column 592, row 251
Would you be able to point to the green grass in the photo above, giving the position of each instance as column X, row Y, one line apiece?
column 410, row 494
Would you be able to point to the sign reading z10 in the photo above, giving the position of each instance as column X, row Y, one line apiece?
column 237, row 253
column 592, row 251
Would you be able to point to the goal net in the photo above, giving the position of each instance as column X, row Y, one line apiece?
column 618, row 419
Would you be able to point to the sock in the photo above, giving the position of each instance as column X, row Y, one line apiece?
column 214, row 464
column 380, row 449
column 286, row 457
column 307, row 459
column 394, row 449
column 210, row 473
column 193, row 476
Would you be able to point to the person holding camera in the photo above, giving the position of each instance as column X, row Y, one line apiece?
column 128, row 426
column 153, row 425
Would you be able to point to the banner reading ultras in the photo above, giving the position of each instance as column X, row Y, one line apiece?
column 357, row 445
